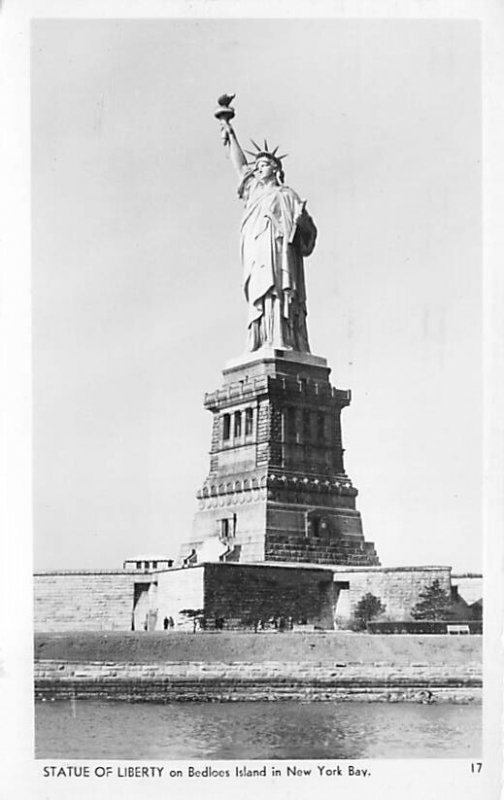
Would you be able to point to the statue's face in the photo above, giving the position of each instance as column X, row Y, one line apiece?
column 265, row 169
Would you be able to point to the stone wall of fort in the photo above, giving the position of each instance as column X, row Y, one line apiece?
column 239, row 593
column 469, row 586
column 179, row 590
column 86, row 600
column 398, row 588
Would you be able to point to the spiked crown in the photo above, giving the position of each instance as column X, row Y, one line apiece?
column 265, row 152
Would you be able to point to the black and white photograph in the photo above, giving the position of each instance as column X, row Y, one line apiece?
column 259, row 325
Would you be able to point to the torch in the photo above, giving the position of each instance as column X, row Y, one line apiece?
column 225, row 114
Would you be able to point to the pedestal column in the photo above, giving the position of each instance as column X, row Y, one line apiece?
column 277, row 489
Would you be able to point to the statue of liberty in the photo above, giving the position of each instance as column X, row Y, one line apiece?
column 276, row 234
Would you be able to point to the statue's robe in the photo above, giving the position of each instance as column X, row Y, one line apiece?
column 276, row 233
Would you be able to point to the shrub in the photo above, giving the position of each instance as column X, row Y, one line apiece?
column 368, row 607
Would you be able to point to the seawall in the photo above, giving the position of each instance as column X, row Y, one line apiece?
column 267, row 666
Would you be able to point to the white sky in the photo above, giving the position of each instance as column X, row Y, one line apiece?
column 136, row 280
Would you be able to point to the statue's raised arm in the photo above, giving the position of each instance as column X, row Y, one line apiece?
column 276, row 233
column 237, row 155
column 225, row 114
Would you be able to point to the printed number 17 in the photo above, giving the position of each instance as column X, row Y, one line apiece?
column 476, row 766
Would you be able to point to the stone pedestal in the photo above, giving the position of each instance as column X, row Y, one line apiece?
column 277, row 489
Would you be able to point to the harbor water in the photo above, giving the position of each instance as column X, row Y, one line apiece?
column 96, row 729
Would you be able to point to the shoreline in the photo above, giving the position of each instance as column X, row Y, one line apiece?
column 155, row 693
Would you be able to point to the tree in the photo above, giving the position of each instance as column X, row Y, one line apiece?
column 368, row 607
column 196, row 614
column 434, row 603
